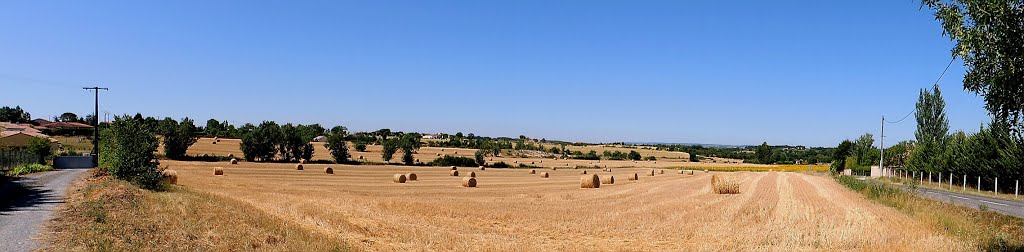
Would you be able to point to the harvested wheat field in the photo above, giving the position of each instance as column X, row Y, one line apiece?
column 512, row 210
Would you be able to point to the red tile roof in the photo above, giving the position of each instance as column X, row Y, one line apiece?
column 65, row 125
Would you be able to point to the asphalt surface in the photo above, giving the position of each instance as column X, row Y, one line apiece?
column 27, row 203
column 1007, row 207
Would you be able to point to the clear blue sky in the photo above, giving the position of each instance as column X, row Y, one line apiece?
column 726, row 72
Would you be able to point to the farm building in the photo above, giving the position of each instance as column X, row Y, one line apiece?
column 320, row 139
column 18, row 135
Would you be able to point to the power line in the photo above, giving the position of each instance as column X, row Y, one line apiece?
column 936, row 82
column 904, row 117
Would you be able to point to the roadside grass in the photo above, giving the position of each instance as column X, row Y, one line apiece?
column 987, row 230
column 104, row 214
column 957, row 188
column 27, row 169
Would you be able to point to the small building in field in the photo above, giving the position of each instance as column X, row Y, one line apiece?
column 320, row 139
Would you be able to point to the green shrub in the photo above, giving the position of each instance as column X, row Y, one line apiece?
column 360, row 147
column 500, row 165
column 338, row 147
column 28, row 168
column 447, row 160
column 39, row 146
column 127, row 151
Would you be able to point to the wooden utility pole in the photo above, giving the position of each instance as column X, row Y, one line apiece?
column 96, row 126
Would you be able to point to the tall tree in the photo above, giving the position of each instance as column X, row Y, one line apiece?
column 988, row 36
column 410, row 142
column 259, row 144
column 764, row 154
column 68, row 117
column 14, row 115
column 390, row 146
column 177, row 137
column 932, row 132
column 337, row 145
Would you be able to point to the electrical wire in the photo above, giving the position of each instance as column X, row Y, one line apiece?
column 936, row 82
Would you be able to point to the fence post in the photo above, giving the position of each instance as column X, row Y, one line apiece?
column 1016, row 188
column 940, row 179
column 929, row 177
column 965, row 183
column 950, row 181
column 996, row 189
column 979, row 183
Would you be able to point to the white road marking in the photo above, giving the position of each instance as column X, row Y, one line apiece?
column 994, row 203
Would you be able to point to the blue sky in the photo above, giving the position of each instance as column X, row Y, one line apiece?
column 726, row 72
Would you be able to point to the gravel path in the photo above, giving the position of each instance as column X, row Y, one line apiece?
column 27, row 203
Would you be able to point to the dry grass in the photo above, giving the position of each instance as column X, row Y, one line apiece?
column 725, row 184
column 101, row 214
column 779, row 211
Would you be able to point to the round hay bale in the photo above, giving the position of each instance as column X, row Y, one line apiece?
column 360, row 157
column 471, row 174
column 455, row 168
column 632, row 177
column 456, row 152
column 438, row 154
column 455, row 173
column 682, row 171
column 515, row 161
column 544, row 175
column 234, row 161
column 533, row 171
column 725, row 184
column 661, row 171
column 650, row 173
column 298, row 167
column 482, row 168
column 705, row 170
column 608, row 169
column 554, row 168
column 468, row 182
column 691, row 172
column 590, row 181
column 532, row 163
column 303, row 161
column 218, row 171
column 214, row 142
column 329, row 170
column 400, row 178
column 411, row 176
column 584, row 172
column 171, row 176
column 608, row 180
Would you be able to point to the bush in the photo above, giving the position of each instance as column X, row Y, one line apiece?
column 447, row 160
column 390, row 146
column 500, row 165
column 39, row 146
column 360, row 147
column 28, row 168
column 479, row 156
column 650, row 158
column 127, row 152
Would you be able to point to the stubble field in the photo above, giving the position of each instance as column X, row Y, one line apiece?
column 514, row 210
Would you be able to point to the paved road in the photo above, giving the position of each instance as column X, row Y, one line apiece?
column 28, row 203
column 1007, row 207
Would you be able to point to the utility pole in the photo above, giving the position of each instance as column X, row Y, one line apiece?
column 96, row 125
column 881, row 148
